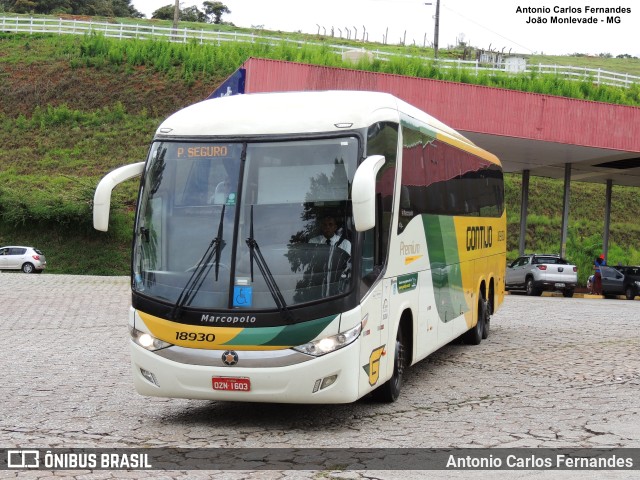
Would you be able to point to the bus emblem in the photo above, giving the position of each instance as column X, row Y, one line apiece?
column 373, row 367
column 230, row 358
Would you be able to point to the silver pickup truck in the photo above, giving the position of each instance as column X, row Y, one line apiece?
column 536, row 273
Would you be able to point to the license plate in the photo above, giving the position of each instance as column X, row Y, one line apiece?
column 559, row 285
column 233, row 384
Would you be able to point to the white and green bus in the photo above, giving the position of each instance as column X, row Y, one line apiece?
column 307, row 247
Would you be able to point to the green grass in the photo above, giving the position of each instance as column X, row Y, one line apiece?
column 630, row 66
column 73, row 108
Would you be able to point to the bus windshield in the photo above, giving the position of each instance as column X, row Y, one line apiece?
column 245, row 225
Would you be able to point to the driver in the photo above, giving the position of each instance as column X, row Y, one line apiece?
column 329, row 227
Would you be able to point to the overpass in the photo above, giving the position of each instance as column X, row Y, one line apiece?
column 533, row 134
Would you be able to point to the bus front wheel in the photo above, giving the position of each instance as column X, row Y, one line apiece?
column 390, row 391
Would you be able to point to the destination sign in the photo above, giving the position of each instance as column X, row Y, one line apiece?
column 203, row 151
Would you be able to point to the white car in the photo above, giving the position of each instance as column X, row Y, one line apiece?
column 27, row 259
column 535, row 272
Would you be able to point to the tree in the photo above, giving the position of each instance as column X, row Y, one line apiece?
column 189, row 14
column 163, row 13
column 215, row 9
column 192, row 14
column 106, row 8
column 21, row 6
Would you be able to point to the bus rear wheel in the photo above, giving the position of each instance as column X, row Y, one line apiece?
column 477, row 333
column 390, row 391
column 487, row 319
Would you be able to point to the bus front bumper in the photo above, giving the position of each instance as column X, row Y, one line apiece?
column 331, row 378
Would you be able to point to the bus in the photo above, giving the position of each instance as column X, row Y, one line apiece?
column 307, row 247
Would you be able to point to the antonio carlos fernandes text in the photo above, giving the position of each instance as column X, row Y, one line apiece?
column 536, row 462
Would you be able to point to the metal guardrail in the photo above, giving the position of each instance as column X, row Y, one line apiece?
column 145, row 32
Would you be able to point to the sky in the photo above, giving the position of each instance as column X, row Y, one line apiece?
column 502, row 25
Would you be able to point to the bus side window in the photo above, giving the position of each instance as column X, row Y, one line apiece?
column 382, row 139
column 374, row 247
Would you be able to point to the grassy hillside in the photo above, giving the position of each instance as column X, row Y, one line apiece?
column 73, row 108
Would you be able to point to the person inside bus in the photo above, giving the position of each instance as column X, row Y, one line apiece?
column 224, row 193
column 221, row 193
column 329, row 236
column 338, row 267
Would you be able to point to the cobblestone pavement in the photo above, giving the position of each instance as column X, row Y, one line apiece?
column 555, row 372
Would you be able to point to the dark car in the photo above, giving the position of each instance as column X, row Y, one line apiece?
column 621, row 281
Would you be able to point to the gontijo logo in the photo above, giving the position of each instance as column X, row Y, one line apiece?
column 479, row 237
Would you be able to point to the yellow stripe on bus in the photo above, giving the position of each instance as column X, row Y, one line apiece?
column 211, row 338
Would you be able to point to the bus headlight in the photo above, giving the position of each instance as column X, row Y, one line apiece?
column 147, row 341
column 330, row 344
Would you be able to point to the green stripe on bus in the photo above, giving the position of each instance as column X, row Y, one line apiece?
column 446, row 275
column 290, row 335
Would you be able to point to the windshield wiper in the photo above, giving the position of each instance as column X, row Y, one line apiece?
column 256, row 254
column 201, row 270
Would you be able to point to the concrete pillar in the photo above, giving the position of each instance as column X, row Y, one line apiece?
column 607, row 220
column 565, row 209
column 524, row 203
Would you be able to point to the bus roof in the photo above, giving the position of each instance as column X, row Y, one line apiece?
column 292, row 112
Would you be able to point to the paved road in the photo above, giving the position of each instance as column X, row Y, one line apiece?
column 555, row 372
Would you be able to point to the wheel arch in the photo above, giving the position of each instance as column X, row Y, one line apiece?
column 482, row 293
column 406, row 324
column 491, row 295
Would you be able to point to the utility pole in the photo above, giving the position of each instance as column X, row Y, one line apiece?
column 176, row 14
column 436, row 33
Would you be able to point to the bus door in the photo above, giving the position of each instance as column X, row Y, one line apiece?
column 376, row 317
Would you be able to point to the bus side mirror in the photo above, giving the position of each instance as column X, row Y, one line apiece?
column 102, row 197
column 363, row 193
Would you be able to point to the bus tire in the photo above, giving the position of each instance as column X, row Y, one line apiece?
column 475, row 335
column 390, row 390
column 487, row 320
